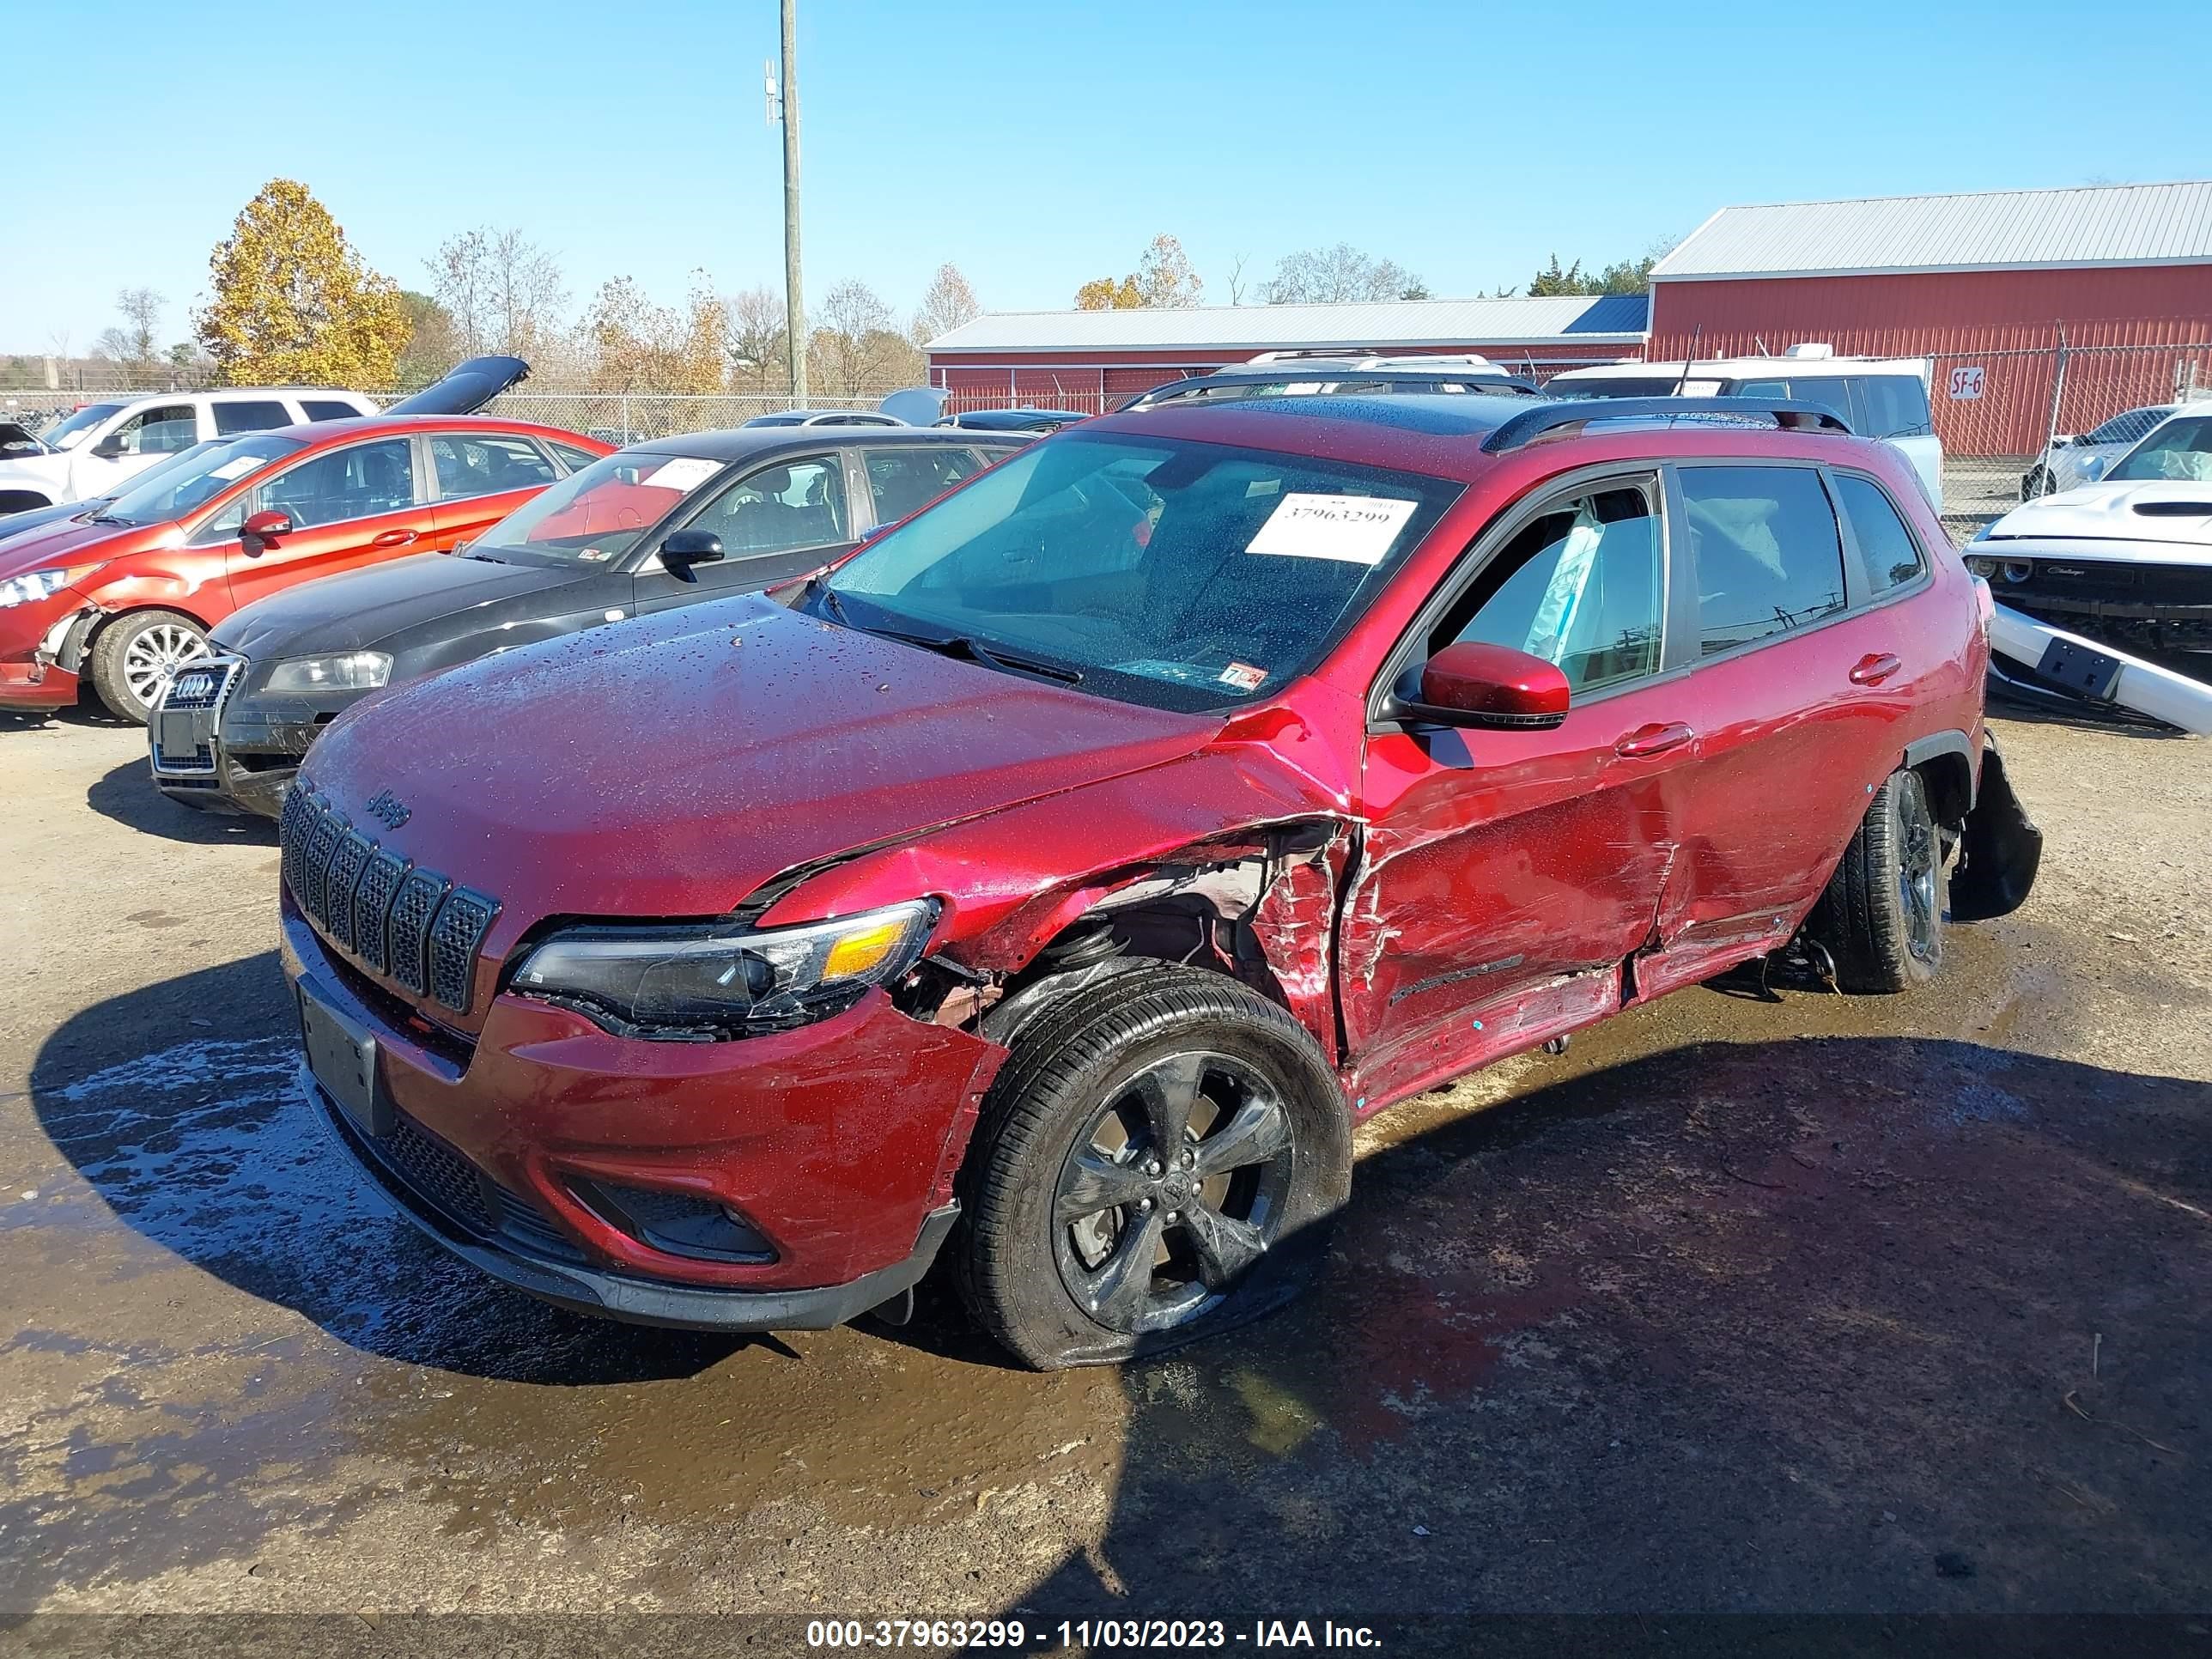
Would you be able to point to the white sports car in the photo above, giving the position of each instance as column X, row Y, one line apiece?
column 2126, row 560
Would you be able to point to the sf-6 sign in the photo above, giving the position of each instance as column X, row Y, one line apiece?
column 1966, row 383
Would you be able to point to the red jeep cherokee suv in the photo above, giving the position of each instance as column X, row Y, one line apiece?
column 1054, row 884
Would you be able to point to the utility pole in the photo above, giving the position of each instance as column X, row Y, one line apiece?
column 793, row 302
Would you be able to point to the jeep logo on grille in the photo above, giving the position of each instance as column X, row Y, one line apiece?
column 388, row 808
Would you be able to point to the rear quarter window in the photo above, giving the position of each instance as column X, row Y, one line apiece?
column 1895, row 406
column 328, row 409
column 251, row 415
column 1893, row 558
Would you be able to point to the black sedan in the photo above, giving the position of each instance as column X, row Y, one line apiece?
column 668, row 523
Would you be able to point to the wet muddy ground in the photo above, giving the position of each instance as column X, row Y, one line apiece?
column 1757, row 1299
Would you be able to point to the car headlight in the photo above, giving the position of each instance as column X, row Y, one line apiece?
column 694, row 984
column 1984, row 568
column 357, row 670
column 40, row 585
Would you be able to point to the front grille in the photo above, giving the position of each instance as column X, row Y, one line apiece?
column 399, row 921
column 201, row 684
column 2112, row 582
column 440, row 1175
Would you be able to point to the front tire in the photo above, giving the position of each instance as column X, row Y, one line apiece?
column 1159, row 1160
column 133, row 658
column 1882, row 917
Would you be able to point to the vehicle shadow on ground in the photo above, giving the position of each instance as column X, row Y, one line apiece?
column 205, row 1144
column 1878, row 1324
column 126, row 793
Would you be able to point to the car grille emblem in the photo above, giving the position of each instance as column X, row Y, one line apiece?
column 388, row 809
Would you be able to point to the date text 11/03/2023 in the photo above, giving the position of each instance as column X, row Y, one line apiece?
column 1086, row 1633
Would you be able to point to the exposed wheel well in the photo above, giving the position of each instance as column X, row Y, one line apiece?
column 1949, row 782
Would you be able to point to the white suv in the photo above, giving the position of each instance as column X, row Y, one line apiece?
column 89, row 451
column 1884, row 398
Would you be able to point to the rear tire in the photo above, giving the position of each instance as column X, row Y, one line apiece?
column 1882, row 917
column 2037, row 483
column 21, row 501
column 1157, row 1161
column 133, row 657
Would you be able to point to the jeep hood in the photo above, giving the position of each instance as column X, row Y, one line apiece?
column 359, row 609
column 669, row 766
column 2171, row 518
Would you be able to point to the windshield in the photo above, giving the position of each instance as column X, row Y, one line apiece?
column 1184, row 576
column 2181, row 450
column 69, row 432
column 597, row 515
column 172, row 467
column 170, row 492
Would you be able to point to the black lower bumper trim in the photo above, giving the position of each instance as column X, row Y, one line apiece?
column 638, row 1301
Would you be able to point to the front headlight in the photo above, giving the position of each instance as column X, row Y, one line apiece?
column 40, row 585
column 1984, row 568
column 699, row 983
column 357, row 670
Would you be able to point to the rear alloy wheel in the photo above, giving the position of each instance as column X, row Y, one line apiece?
column 2037, row 483
column 134, row 659
column 1155, row 1162
column 1882, row 917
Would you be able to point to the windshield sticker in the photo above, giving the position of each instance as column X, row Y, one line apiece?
column 1242, row 675
column 594, row 553
column 1262, row 487
column 1356, row 529
column 685, row 474
column 237, row 469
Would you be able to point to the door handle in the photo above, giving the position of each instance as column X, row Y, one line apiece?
column 1653, row 739
column 395, row 538
column 1873, row 670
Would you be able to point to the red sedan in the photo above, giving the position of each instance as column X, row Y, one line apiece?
column 124, row 595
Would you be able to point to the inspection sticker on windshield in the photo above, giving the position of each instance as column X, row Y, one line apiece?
column 1357, row 529
column 237, row 469
column 1242, row 675
column 686, row 474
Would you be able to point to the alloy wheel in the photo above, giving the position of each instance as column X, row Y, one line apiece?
column 155, row 655
column 1176, row 1186
column 1917, row 886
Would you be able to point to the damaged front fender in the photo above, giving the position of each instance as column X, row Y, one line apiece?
column 1999, row 852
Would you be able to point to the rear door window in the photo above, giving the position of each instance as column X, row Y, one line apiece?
column 907, row 478
column 473, row 464
column 328, row 409
column 250, row 415
column 1893, row 558
column 1768, row 556
column 1896, row 406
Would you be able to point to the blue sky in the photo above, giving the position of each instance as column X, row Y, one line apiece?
column 1035, row 143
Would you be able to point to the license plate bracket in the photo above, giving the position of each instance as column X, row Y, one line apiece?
column 342, row 1056
column 178, row 738
column 2091, row 673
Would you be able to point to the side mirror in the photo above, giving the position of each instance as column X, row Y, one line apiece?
column 109, row 448
column 2095, row 468
column 260, row 530
column 2062, row 440
column 1474, row 684
column 686, row 548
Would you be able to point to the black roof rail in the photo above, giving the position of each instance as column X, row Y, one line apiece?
column 1526, row 427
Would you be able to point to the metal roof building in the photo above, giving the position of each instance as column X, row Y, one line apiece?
column 1087, row 360
column 1985, row 284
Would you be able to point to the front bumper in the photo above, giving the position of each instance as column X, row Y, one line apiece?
column 33, row 641
column 835, row 1144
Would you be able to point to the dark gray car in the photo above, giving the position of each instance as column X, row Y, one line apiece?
column 672, row 522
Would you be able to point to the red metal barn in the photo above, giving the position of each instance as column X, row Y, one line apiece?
column 1985, row 283
column 1091, row 361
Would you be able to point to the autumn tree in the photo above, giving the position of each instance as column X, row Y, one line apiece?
column 293, row 301
column 856, row 345
column 947, row 303
column 1622, row 276
column 1339, row 274
column 1105, row 293
column 502, row 291
column 756, row 326
column 635, row 345
column 433, row 343
column 1162, row 278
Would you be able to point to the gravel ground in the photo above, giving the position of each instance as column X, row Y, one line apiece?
column 1758, row 1300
